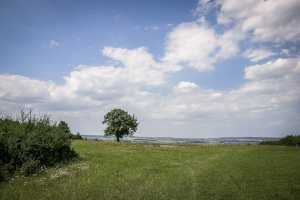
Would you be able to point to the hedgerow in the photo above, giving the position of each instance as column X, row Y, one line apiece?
column 29, row 142
column 289, row 140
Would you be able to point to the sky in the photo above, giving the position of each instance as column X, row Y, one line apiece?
column 185, row 68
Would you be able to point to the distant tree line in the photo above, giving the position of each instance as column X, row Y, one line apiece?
column 29, row 142
column 289, row 140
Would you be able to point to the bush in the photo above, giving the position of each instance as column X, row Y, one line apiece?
column 65, row 128
column 289, row 140
column 76, row 137
column 29, row 142
column 269, row 143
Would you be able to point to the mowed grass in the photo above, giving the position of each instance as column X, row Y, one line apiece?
column 153, row 171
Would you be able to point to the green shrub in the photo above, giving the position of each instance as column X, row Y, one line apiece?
column 76, row 137
column 289, row 140
column 269, row 143
column 30, row 166
column 65, row 128
column 29, row 142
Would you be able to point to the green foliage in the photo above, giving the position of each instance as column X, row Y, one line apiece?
column 289, row 140
column 269, row 142
column 29, row 142
column 76, row 137
column 65, row 128
column 119, row 123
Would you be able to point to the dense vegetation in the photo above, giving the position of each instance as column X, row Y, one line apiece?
column 109, row 170
column 289, row 140
column 65, row 127
column 28, row 143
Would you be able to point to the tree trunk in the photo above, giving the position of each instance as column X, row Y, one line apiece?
column 118, row 139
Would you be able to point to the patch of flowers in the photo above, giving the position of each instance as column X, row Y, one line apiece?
column 60, row 173
column 69, row 171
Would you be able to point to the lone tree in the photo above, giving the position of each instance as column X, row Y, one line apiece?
column 119, row 123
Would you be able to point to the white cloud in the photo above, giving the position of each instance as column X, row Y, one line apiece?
column 89, row 86
column 97, row 82
column 222, row 19
column 272, row 70
column 228, row 43
column 23, row 89
column 140, row 65
column 197, row 45
column 256, row 55
column 186, row 87
column 268, row 21
column 191, row 43
column 93, row 90
column 203, row 7
column 216, row 95
column 53, row 43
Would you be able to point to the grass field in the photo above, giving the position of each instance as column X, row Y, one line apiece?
column 153, row 171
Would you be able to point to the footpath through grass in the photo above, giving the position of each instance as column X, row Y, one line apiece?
column 152, row 171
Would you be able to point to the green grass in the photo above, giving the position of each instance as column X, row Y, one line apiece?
column 148, row 171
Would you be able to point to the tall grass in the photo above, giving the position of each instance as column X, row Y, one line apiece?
column 147, row 171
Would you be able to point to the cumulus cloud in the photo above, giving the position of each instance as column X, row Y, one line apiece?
column 269, row 94
column 267, row 21
column 191, row 43
column 140, row 65
column 24, row 89
column 228, row 43
column 89, row 86
column 256, row 55
column 186, row 87
column 273, row 70
column 197, row 45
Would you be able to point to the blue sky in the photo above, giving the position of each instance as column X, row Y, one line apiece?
column 184, row 68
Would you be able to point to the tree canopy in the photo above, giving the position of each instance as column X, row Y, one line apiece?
column 119, row 123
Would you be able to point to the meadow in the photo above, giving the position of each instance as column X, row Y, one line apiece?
column 110, row 170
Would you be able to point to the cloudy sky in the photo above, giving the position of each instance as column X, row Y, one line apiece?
column 185, row 68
